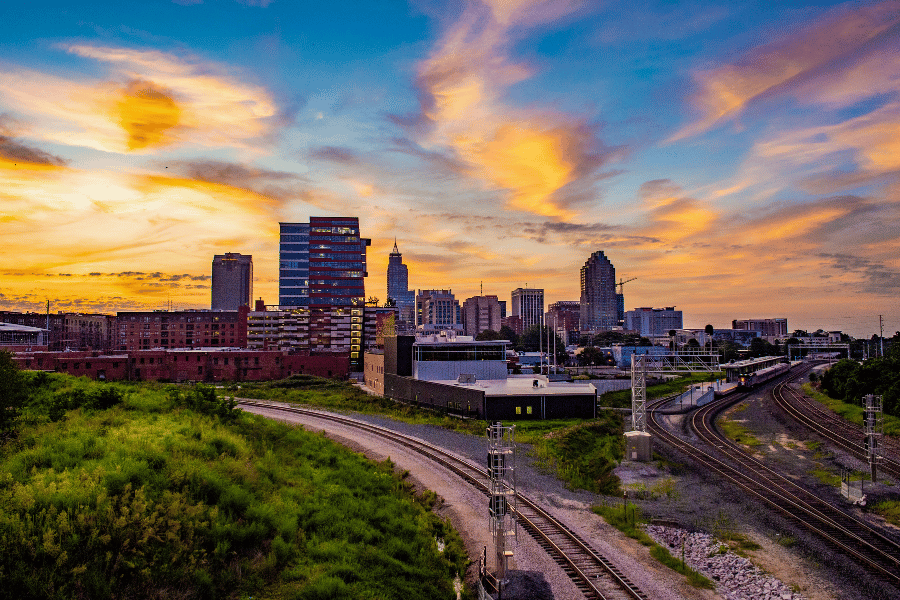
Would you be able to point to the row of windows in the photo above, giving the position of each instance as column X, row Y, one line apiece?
column 335, row 238
column 295, row 228
column 350, row 254
column 338, row 230
column 293, row 282
column 294, row 264
column 343, row 291
column 294, row 238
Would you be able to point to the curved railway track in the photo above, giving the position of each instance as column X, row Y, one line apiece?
column 851, row 536
column 591, row 572
column 840, row 432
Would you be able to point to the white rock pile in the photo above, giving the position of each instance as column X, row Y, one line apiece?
column 735, row 576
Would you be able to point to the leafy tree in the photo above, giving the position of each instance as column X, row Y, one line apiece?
column 13, row 391
column 728, row 350
column 760, row 347
column 693, row 343
column 672, row 333
column 533, row 337
column 488, row 335
column 592, row 356
column 608, row 338
column 506, row 333
column 390, row 302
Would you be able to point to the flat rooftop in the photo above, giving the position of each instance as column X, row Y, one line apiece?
column 524, row 386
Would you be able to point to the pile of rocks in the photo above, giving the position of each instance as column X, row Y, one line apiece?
column 735, row 576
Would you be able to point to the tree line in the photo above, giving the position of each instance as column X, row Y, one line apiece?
column 851, row 380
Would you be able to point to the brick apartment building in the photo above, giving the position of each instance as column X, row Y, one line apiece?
column 202, row 365
column 182, row 329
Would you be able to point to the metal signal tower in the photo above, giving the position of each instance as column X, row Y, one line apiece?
column 502, row 499
column 874, row 431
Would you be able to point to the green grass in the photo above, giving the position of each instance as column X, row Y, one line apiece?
column 152, row 499
column 851, row 412
column 622, row 398
column 826, row 476
column 737, row 432
column 629, row 522
column 582, row 454
column 890, row 510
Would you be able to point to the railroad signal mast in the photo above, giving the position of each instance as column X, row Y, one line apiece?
column 502, row 499
column 874, row 431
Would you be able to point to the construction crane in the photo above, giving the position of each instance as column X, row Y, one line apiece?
column 622, row 283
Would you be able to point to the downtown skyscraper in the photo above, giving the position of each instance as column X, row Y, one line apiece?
column 398, row 286
column 322, row 270
column 232, row 281
column 599, row 306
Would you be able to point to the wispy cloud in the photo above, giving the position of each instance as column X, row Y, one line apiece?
column 148, row 100
column 826, row 51
column 529, row 154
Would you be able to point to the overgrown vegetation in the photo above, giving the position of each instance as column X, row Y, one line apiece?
column 115, row 491
column 622, row 398
column 629, row 520
column 850, row 381
column 723, row 528
column 890, row 510
column 581, row 454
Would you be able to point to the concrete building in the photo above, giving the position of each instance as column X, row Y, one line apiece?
column 480, row 313
column 437, row 307
column 651, row 322
column 528, row 305
column 144, row 330
column 598, row 305
column 563, row 317
column 232, row 281
column 323, row 266
column 398, row 286
column 769, row 329
column 467, row 378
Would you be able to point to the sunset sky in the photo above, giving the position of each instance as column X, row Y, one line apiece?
column 741, row 160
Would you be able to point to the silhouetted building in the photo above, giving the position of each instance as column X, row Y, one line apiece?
column 232, row 281
column 599, row 310
column 398, row 286
column 564, row 317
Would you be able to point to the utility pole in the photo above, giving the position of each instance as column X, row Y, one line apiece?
column 881, row 336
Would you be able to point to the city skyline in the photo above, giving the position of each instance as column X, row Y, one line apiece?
column 739, row 162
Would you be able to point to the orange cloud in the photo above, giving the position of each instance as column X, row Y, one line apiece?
column 146, row 114
column 533, row 154
column 725, row 91
column 164, row 94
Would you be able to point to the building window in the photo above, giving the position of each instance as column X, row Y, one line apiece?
column 528, row 410
column 518, row 410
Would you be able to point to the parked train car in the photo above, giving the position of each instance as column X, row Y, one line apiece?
column 763, row 375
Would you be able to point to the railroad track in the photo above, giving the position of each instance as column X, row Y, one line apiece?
column 840, row 432
column 592, row 573
column 851, row 536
